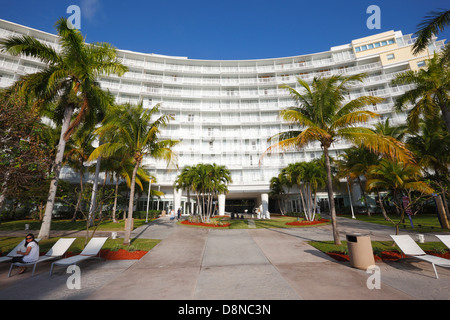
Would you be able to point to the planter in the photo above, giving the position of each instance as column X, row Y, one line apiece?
column 306, row 223
column 384, row 256
column 204, row 224
column 339, row 256
column 121, row 254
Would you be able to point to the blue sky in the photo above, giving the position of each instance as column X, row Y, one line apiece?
column 224, row 29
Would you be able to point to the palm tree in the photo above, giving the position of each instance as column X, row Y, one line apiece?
column 399, row 178
column 277, row 191
column 77, row 151
column 385, row 128
column 323, row 115
column 121, row 167
column 432, row 149
column 435, row 22
column 314, row 178
column 294, row 173
column 430, row 95
column 135, row 136
column 355, row 164
column 184, row 181
column 70, row 76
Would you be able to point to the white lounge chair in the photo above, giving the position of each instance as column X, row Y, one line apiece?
column 445, row 239
column 412, row 249
column 91, row 250
column 12, row 253
column 56, row 251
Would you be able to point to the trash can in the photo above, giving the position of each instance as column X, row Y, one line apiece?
column 360, row 251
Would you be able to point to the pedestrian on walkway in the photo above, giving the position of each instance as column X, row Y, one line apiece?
column 179, row 214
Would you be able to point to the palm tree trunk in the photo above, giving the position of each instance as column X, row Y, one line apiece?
column 126, row 240
column 302, row 202
column 4, row 188
column 44, row 232
column 446, row 115
column 336, row 236
column 80, row 197
column 115, row 201
column 383, row 209
column 93, row 206
column 366, row 202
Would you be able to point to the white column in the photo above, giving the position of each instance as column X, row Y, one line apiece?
column 221, row 204
column 177, row 199
column 265, row 206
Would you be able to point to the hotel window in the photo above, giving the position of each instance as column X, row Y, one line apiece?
column 190, row 117
column 421, row 64
column 390, row 56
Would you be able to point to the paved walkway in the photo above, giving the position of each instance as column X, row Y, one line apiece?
column 245, row 264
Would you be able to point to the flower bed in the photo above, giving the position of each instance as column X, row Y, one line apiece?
column 384, row 256
column 306, row 223
column 120, row 254
column 204, row 224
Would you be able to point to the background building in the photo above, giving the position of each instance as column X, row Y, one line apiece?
column 224, row 111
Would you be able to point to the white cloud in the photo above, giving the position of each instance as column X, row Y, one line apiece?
column 89, row 8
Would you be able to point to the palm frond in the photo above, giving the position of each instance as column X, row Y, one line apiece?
column 31, row 47
column 433, row 23
column 383, row 145
column 352, row 118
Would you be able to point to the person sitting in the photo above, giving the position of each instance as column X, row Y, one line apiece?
column 31, row 253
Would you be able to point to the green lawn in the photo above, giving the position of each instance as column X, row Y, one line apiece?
column 422, row 222
column 8, row 243
column 79, row 225
column 274, row 222
column 377, row 246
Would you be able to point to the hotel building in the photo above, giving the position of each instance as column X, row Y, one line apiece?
column 224, row 111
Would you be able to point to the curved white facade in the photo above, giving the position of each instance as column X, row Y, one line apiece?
column 225, row 110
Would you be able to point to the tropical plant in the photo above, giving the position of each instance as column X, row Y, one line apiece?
column 403, row 180
column 207, row 181
column 323, row 116
column 277, row 191
column 430, row 95
column 184, row 181
column 432, row 150
column 315, row 177
column 434, row 23
column 25, row 148
column 70, row 78
column 354, row 165
column 77, row 151
column 398, row 132
column 132, row 133
column 294, row 174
